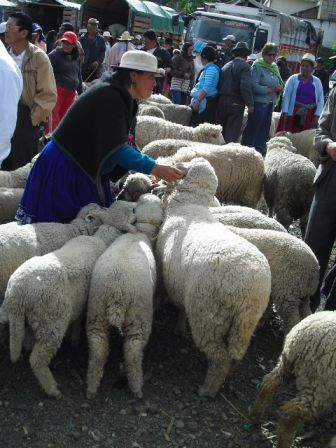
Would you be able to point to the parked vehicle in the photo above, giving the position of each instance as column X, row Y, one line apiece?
column 256, row 26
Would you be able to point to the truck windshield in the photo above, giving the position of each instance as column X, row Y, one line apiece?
column 215, row 29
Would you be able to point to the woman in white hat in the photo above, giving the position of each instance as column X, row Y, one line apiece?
column 303, row 99
column 119, row 48
column 108, row 45
column 90, row 147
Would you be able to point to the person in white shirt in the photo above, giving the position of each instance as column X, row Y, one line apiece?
column 10, row 91
column 119, row 48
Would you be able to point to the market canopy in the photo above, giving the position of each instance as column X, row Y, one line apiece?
column 161, row 16
column 63, row 3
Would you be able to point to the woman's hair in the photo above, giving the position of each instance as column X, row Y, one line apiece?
column 122, row 75
column 269, row 46
column 50, row 37
column 209, row 54
column 184, row 51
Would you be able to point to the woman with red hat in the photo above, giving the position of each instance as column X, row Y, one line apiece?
column 66, row 64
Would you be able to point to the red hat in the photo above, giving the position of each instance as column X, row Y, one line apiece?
column 70, row 37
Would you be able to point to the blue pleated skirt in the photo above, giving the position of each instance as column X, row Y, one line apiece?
column 57, row 189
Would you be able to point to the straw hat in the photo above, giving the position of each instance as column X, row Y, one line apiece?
column 125, row 36
column 140, row 60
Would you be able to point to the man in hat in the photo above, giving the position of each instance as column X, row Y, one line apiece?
column 122, row 45
column 94, row 49
column 228, row 41
column 39, row 90
column 152, row 46
column 138, row 42
column 235, row 91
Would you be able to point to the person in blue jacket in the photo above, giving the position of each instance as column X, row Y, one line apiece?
column 90, row 146
column 94, row 51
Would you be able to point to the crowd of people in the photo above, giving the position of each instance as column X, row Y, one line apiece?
column 41, row 77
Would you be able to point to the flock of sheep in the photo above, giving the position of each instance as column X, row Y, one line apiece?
column 224, row 266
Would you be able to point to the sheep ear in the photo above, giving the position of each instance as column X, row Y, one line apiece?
column 93, row 216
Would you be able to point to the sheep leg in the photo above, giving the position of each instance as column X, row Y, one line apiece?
column 293, row 413
column 75, row 332
column 290, row 316
column 99, row 348
column 305, row 310
column 269, row 386
column 40, row 357
column 284, row 218
column 136, row 337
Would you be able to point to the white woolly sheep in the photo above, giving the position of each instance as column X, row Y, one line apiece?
column 50, row 292
column 121, row 294
column 308, row 360
column 245, row 217
column 16, row 178
column 169, row 146
column 288, row 184
column 149, row 129
column 221, row 281
column 304, row 144
column 176, row 113
column 161, row 99
column 18, row 242
column 294, row 269
column 240, row 170
column 151, row 110
column 9, row 203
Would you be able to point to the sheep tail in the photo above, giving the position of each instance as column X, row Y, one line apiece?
column 16, row 334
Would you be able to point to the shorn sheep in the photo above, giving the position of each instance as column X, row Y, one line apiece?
column 50, row 292
column 175, row 113
column 151, row 128
column 168, row 147
column 18, row 242
column 220, row 280
column 121, row 295
column 308, row 360
column 9, row 203
column 288, row 185
column 245, row 217
column 240, row 171
column 294, row 269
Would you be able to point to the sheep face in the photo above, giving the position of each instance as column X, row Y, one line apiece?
column 134, row 186
column 209, row 133
column 280, row 143
column 120, row 215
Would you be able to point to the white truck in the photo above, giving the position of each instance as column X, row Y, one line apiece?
column 255, row 26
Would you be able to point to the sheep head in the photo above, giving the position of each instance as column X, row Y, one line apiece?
column 208, row 133
column 199, row 184
column 135, row 185
column 120, row 215
column 280, row 143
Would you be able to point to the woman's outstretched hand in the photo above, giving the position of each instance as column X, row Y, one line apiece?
column 167, row 173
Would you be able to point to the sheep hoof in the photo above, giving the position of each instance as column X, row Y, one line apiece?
column 90, row 395
column 204, row 391
column 138, row 394
column 56, row 394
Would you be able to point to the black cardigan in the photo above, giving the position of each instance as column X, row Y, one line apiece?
column 96, row 125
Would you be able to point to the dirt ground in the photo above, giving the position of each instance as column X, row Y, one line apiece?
column 171, row 414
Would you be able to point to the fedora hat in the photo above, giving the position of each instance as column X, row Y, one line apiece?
column 125, row 36
column 140, row 60
column 230, row 37
column 310, row 58
column 241, row 47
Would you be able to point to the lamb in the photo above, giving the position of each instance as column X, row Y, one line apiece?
column 294, row 269
column 221, row 280
column 134, row 186
column 151, row 110
column 18, row 242
column 9, row 203
column 308, row 360
column 151, row 128
column 121, row 295
column 49, row 293
column 240, row 171
column 304, row 144
column 169, row 146
column 16, row 178
column 288, row 184
column 245, row 217
column 175, row 113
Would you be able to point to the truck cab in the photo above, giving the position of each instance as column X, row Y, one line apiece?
column 212, row 27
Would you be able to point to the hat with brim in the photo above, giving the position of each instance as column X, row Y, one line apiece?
column 230, row 37
column 125, row 36
column 242, row 48
column 310, row 58
column 142, row 61
column 69, row 37
column 93, row 21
